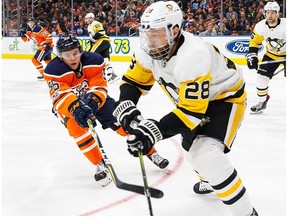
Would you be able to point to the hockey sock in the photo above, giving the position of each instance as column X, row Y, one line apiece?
column 208, row 158
column 262, row 87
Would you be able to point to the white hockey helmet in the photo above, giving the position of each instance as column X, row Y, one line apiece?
column 160, row 15
column 273, row 6
column 90, row 15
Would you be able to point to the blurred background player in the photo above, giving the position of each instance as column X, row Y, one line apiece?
column 42, row 38
column 100, row 43
column 209, row 95
column 272, row 30
column 79, row 91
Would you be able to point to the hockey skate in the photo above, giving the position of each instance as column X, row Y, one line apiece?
column 102, row 175
column 158, row 160
column 40, row 77
column 110, row 75
column 202, row 188
column 258, row 108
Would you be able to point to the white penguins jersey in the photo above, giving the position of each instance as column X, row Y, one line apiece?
column 197, row 74
column 275, row 38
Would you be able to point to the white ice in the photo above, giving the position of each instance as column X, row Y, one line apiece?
column 45, row 174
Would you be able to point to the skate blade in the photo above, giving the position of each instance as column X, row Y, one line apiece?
column 105, row 181
column 255, row 113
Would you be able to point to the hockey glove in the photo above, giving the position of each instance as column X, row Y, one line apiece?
column 22, row 33
column 144, row 136
column 252, row 60
column 92, row 101
column 127, row 115
column 81, row 112
column 48, row 47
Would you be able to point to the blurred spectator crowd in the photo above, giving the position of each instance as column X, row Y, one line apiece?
column 201, row 17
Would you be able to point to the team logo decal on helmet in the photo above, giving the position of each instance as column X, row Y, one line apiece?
column 169, row 7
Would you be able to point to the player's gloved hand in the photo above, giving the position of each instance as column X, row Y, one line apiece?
column 127, row 114
column 92, row 101
column 144, row 136
column 81, row 112
column 48, row 47
column 252, row 60
column 22, row 33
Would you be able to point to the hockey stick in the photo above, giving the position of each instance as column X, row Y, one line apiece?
column 273, row 61
column 145, row 181
column 155, row 193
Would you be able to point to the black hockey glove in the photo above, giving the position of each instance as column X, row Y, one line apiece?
column 127, row 115
column 252, row 60
column 92, row 101
column 81, row 112
column 48, row 47
column 144, row 136
column 22, row 33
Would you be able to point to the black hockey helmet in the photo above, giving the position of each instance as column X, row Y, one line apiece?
column 24, row 26
column 66, row 43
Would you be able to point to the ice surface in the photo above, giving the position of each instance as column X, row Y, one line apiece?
column 45, row 174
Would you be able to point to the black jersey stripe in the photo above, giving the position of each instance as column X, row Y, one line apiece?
column 236, row 198
column 226, row 182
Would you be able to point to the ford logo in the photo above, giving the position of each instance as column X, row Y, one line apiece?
column 239, row 47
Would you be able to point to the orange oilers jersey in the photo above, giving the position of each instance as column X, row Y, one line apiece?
column 66, row 85
column 40, row 36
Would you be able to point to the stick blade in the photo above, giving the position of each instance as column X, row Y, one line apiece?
column 154, row 193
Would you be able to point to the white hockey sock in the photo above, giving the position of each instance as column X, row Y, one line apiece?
column 262, row 87
column 207, row 157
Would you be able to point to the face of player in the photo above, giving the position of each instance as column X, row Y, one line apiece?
column 271, row 17
column 89, row 20
column 156, row 39
column 31, row 24
column 72, row 58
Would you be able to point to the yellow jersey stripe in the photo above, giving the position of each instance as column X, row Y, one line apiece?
column 231, row 190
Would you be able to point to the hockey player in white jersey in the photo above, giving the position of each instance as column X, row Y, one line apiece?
column 208, row 92
column 100, row 43
column 272, row 30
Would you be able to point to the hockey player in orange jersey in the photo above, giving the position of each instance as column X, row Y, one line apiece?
column 78, row 90
column 43, row 39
